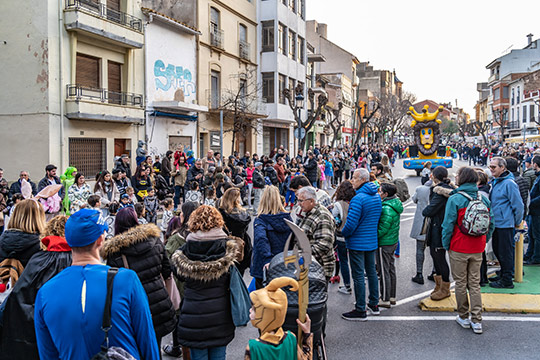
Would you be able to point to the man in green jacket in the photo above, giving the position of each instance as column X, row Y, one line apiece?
column 388, row 236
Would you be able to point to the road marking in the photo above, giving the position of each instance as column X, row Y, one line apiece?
column 453, row 318
column 407, row 219
column 407, row 214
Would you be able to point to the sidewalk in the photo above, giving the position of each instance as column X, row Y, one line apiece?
column 523, row 298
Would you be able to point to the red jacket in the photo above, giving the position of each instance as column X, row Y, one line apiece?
column 280, row 172
column 464, row 243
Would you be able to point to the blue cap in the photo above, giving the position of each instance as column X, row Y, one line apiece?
column 84, row 227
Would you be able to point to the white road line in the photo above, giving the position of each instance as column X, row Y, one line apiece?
column 407, row 219
column 407, row 214
column 452, row 318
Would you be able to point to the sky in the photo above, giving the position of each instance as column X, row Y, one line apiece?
column 439, row 49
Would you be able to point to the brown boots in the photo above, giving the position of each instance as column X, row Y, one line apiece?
column 442, row 289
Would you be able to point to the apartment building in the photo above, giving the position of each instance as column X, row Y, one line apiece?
column 76, row 75
column 282, row 64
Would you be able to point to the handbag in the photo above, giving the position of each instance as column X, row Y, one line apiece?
column 112, row 352
column 425, row 226
column 240, row 301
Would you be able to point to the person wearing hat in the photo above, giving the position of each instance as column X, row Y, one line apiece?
column 69, row 308
column 268, row 315
column 123, row 164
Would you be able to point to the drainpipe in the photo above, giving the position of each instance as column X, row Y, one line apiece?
column 61, row 80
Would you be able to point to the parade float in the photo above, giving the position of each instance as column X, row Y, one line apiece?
column 427, row 139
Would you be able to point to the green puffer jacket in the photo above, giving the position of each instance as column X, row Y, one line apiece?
column 388, row 230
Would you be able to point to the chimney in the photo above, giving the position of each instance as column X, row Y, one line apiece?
column 529, row 37
column 322, row 29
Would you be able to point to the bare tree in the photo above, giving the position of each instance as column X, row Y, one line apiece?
column 393, row 112
column 313, row 113
column 362, row 120
column 241, row 105
column 335, row 122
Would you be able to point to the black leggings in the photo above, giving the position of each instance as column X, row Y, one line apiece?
column 439, row 261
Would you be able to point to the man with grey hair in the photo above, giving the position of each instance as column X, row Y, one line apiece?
column 360, row 233
column 318, row 224
column 508, row 208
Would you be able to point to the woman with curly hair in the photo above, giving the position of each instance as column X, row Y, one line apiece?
column 19, row 335
column 205, row 324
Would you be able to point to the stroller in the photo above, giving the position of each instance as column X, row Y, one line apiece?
column 317, row 308
column 162, row 189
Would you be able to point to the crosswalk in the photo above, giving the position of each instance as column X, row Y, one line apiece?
column 409, row 208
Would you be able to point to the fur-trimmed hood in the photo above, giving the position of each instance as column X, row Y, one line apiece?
column 444, row 189
column 136, row 235
column 216, row 266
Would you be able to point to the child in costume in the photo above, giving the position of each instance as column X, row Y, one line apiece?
column 268, row 315
column 68, row 179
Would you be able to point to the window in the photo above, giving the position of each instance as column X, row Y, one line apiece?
column 214, row 19
column 242, row 33
column 525, row 114
column 531, row 113
column 215, row 89
column 517, row 114
column 301, row 7
column 87, row 71
column 282, row 85
column 303, row 88
column 513, row 95
column 517, row 95
column 268, row 87
column 243, row 92
column 291, row 84
column 292, row 5
column 285, row 2
column 292, row 45
column 505, row 92
column 244, row 47
column 512, row 118
column 282, row 40
column 89, row 156
column 496, row 94
column 267, row 36
column 300, row 49
column 114, row 82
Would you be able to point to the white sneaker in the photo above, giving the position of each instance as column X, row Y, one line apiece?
column 476, row 327
column 345, row 290
column 465, row 323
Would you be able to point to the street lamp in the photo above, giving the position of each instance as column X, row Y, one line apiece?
column 299, row 105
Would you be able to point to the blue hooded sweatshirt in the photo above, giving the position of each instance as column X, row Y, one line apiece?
column 506, row 202
column 270, row 232
column 360, row 230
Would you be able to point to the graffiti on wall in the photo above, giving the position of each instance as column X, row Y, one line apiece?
column 171, row 76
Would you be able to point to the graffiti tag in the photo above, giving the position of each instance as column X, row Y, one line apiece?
column 176, row 77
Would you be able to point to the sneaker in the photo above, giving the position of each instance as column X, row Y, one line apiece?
column 373, row 309
column 419, row 279
column 476, row 327
column 393, row 301
column 494, row 278
column 385, row 304
column 345, row 290
column 465, row 323
column 430, row 277
column 531, row 263
column 173, row 351
column 355, row 315
column 500, row 285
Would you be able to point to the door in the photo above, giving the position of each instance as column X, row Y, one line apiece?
column 120, row 147
column 114, row 82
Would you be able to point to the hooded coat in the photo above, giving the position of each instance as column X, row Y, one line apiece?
column 506, row 201
column 388, row 230
column 203, row 264
column 145, row 254
column 237, row 223
column 19, row 335
column 16, row 244
column 435, row 210
column 421, row 199
column 270, row 233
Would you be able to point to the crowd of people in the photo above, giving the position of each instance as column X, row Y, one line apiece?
column 177, row 226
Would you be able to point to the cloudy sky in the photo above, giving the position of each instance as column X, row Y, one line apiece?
column 439, row 49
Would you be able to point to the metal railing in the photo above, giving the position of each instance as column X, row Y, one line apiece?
column 216, row 37
column 78, row 92
column 244, row 49
column 102, row 11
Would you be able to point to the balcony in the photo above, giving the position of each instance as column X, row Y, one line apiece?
column 99, row 21
column 244, row 50
column 493, row 77
column 216, row 38
column 86, row 103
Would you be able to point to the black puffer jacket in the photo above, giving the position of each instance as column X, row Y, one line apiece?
column 438, row 197
column 311, row 170
column 15, row 244
column 205, row 316
column 145, row 255
column 237, row 224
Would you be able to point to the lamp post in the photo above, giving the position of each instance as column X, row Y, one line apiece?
column 299, row 105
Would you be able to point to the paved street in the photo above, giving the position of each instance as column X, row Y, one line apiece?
column 406, row 332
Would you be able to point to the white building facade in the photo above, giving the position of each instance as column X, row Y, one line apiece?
column 282, row 64
column 171, row 84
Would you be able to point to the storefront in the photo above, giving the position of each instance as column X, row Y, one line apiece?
column 275, row 134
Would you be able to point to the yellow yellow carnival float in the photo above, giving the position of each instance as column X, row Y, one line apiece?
column 427, row 138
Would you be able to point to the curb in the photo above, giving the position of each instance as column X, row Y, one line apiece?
column 507, row 303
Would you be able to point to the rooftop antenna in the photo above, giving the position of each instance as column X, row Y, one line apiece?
column 507, row 50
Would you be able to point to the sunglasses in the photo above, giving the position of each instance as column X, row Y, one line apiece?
column 493, row 166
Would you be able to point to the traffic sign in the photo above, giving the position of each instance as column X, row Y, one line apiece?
column 302, row 133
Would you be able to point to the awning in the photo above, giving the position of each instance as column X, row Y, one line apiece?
column 176, row 116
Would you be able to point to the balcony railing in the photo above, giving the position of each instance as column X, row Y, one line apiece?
column 216, row 37
column 244, row 50
column 102, row 11
column 78, row 92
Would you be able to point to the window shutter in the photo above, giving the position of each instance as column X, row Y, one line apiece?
column 114, row 82
column 113, row 4
column 87, row 71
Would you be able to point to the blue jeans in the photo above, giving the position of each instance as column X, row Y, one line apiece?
column 344, row 262
column 533, row 250
column 364, row 261
column 214, row 353
column 178, row 191
column 289, row 197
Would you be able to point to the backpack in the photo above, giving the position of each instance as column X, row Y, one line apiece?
column 402, row 189
column 10, row 272
column 267, row 180
column 477, row 218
